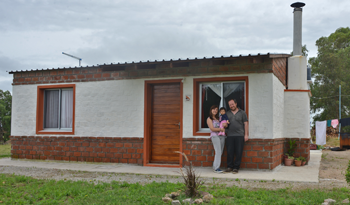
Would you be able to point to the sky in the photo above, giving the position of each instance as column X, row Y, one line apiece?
column 34, row 33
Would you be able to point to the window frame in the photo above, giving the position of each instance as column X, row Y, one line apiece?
column 40, row 110
column 197, row 131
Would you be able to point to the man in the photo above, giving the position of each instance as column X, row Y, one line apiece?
column 237, row 134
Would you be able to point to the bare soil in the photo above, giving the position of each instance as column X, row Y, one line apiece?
column 332, row 169
column 334, row 164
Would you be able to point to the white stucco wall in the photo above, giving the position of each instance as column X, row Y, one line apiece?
column 116, row 108
column 110, row 108
column 296, row 115
column 261, row 106
column 102, row 109
column 23, row 114
column 278, row 108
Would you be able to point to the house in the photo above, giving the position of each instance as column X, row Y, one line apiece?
column 141, row 113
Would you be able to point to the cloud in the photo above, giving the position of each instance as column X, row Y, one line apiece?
column 33, row 34
column 5, row 78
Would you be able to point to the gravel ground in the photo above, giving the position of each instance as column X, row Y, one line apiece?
column 98, row 177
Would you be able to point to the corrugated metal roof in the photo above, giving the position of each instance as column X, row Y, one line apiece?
column 271, row 55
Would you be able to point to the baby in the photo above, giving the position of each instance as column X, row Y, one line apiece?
column 223, row 120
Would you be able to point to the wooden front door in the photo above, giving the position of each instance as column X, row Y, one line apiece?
column 165, row 123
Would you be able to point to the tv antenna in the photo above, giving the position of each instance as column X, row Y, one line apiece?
column 73, row 57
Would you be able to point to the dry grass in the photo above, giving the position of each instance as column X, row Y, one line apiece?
column 332, row 141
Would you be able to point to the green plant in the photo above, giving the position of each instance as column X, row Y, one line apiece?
column 192, row 180
column 302, row 159
column 291, row 148
column 320, row 147
column 347, row 174
column 290, row 157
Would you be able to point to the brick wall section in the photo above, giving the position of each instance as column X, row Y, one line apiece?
column 240, row 65
column 257, row 153
column 279, row 66
column 277, row 153
column 86, row 149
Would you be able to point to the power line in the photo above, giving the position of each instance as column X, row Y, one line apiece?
column 330, row 97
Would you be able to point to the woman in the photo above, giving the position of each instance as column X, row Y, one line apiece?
column 218, row 141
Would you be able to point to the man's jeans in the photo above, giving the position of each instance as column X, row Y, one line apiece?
column 234, row 146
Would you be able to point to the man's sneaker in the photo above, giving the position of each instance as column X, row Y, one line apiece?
column 235, row 171
column 228, row 170
column 218, row 170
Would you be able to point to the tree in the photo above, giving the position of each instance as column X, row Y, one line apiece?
column 304, row 51
column 330, row 69
column 5, row 114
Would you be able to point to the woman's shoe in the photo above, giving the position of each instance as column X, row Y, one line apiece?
column 218, row 170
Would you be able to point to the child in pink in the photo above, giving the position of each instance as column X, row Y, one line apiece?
column 223, row 120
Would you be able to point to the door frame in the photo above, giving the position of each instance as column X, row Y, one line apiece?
column 147, row 121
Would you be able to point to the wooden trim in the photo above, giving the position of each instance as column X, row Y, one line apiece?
column 147, row 122
column 181, row 120
column 146, row 127
column 286, row 90
column 196, row 82
column 40, row 110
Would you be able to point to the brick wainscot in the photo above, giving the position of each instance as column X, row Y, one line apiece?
column 86, row 149
column 257, row 154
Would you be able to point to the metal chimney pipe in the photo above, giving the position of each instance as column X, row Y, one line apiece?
column 297, row 27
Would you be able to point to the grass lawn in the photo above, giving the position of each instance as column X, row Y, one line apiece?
column 5, row 150
column 26, row 190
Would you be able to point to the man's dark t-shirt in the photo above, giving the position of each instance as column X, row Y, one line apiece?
column 236, row 126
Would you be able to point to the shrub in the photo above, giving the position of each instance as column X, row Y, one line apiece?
column 320, row 147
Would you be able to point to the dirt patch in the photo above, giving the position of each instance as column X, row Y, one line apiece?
column 334, row 164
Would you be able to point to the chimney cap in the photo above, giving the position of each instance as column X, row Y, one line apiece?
column 297, row 5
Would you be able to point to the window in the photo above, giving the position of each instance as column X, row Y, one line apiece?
column 55, row 109
column 216, row 91
column 58, row 108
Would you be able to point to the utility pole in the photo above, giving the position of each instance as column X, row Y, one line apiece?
column 73, row 57
column 339, row 110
